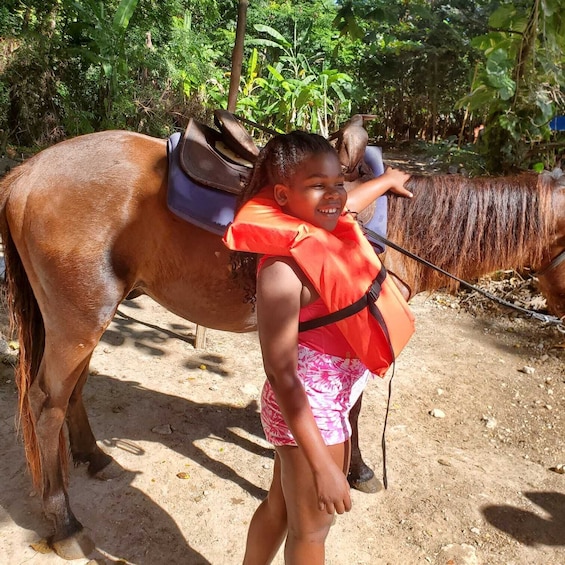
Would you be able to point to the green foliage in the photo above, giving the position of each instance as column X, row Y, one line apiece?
column 190, row 59
column 9, row 22
column 73, row 66
column 115, row 64
column 411, row 64
column 519, row 84
column 292, row 94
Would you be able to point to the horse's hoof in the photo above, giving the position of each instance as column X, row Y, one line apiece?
column 109, row 472
column 77, row 546
column 98, row 462
column 369, row 486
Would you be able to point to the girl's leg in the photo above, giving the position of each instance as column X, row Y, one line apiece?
column 268, row 525
column 308, row 526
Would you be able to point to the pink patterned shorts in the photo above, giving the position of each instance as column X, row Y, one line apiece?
column 332, row 385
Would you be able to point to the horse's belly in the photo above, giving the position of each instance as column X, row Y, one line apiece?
column 225, row 312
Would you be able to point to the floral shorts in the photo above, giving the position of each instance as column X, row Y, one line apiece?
column 332, row 384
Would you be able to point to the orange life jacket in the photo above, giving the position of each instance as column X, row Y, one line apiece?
column 342, row 267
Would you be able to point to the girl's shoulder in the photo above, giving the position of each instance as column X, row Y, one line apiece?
column 270, row 260
column 285, row 274
column 281, row 269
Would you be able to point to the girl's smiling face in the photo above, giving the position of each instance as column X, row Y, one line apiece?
column 315, row 193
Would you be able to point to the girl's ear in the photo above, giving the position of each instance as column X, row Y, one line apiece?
column 281, row 194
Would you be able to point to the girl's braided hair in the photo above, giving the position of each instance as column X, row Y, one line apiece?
column 277, row 163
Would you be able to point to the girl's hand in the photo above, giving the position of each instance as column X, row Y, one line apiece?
column 395, row 180
column 359, row 197
column 332, row 490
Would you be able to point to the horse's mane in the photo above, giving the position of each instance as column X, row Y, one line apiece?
column 472, row 226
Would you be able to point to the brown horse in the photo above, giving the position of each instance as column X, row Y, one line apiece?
column 85, row 223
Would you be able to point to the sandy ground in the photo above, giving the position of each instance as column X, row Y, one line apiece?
column 473, row 487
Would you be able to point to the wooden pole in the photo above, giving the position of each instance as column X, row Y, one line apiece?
column 200, row 339
column 236, row 64
column 237, row 54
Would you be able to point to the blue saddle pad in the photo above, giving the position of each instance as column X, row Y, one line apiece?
column 207, row 208
column 374, row 158
column 213, row 210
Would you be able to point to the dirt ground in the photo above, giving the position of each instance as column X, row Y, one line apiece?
column 473, row 487
column 479, row 486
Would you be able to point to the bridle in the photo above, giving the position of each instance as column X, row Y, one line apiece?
column 554, row 263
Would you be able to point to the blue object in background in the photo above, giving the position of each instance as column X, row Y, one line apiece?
column 558, row 123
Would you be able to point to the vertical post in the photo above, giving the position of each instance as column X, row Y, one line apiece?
column 236, row 64
column 237, row 54
column 200, row 339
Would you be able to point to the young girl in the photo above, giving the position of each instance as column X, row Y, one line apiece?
column 313, row 377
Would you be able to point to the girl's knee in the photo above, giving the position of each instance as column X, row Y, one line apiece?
column 276, row 508
column 313, row 533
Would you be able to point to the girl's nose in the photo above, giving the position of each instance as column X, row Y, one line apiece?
column 334, row 190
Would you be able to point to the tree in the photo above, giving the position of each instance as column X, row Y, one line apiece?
column 520, row 82
column 413, row 62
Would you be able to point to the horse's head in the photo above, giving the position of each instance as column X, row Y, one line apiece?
column 552, row 273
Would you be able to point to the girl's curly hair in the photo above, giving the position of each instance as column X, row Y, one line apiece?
column 277, row 163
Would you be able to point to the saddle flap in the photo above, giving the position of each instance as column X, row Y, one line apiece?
column 202, row 162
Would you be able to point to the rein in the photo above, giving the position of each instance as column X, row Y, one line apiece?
column 544, row 318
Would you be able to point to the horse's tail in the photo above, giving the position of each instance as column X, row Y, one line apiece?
column 25, row 319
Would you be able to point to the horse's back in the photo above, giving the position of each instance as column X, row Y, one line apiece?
column 100, row 158
column 90, row 215
column 88, row 178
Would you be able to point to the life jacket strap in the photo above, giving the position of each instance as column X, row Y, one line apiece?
column 367, row 299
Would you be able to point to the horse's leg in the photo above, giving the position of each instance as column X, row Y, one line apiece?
column 84, row 448
column 361, row 476
column 60, row 370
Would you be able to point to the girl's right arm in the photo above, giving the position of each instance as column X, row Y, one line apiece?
column 279, row 290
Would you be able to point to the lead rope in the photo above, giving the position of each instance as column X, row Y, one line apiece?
column 373, row 294
column 545, row 318
column 383, row 438
column 558, row 322
column 371, row 302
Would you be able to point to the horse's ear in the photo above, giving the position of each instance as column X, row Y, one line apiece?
column 280, row 192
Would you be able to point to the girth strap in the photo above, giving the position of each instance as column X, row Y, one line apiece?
column 367, row 300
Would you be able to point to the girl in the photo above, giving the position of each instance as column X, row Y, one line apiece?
column 313, row 377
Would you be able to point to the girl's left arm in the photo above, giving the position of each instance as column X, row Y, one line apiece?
column 392, row 179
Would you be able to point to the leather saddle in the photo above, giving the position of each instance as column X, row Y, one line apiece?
column 209, row 167
column 221, row 159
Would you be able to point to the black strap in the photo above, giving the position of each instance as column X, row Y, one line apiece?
column 369, row 297
column 376, row 313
